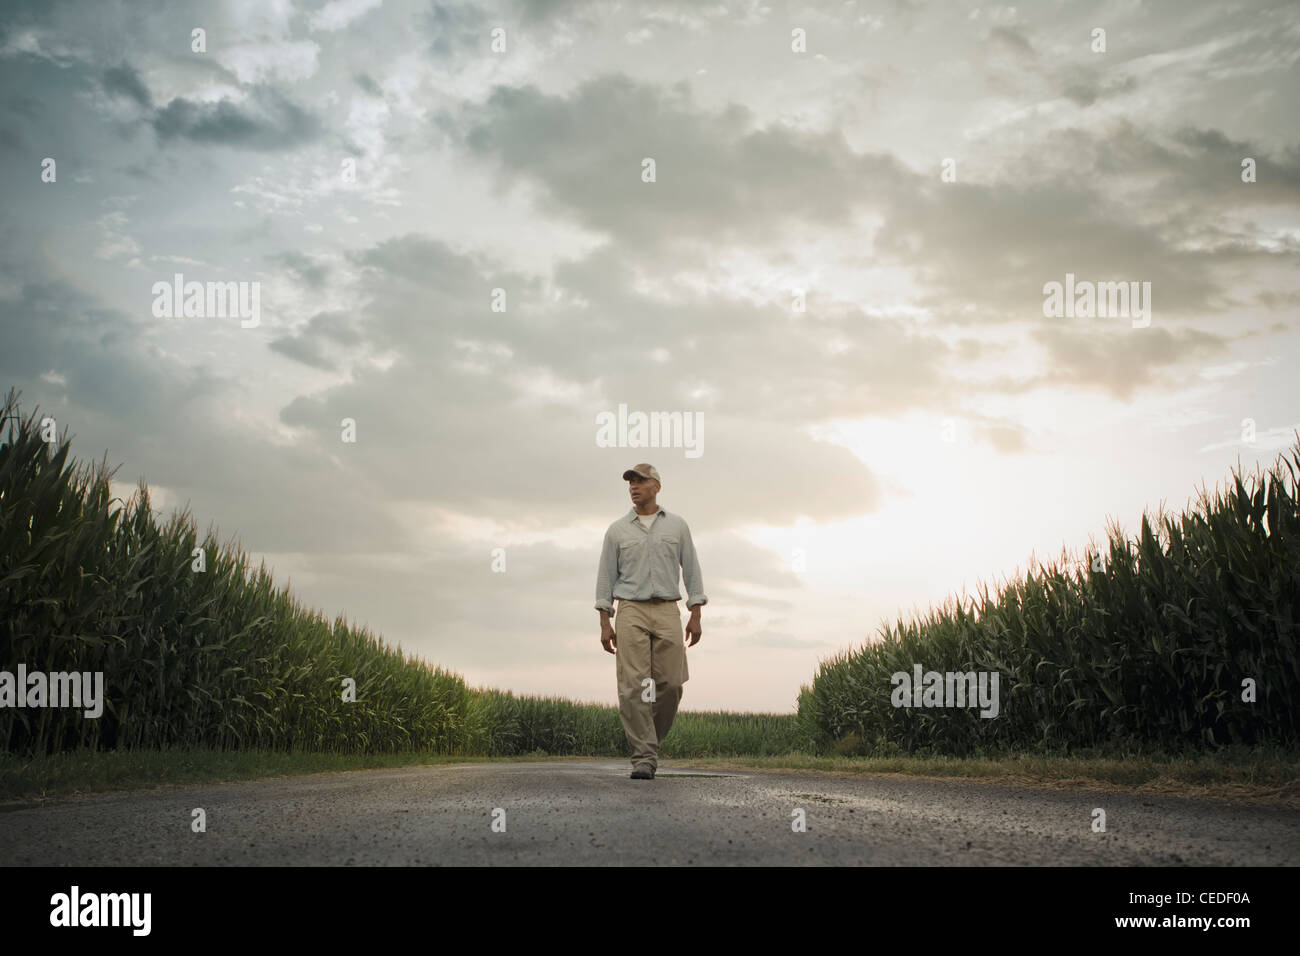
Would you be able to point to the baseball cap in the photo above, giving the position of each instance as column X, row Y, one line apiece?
column 645, row 471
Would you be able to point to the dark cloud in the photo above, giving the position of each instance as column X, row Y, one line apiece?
column 304, row 268
column 995, row 245
column 1087, row 90
column 717, row 176
column 22, row 15
column 722, row 182
column 28, row 107
column 120, row 392
column 323, row 331
column 303, row 350
column 268, row 122
column 368, row 85
column 1183, row 183
column 429, row 264
column 125, row 81
column 1277, row 176
column 1118, row 358
column 457, row 28
column 1279, row 300
column 1011, row 40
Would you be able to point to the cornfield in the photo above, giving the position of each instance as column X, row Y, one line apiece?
column 504, row 725
column 1148, row 649
column 220, row 658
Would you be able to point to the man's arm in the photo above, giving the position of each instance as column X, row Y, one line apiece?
column 690, row 561
column 606, row 577
column 695, row 596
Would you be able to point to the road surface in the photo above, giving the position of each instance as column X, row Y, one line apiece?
column 591, row 813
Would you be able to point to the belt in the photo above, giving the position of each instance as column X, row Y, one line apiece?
column 652, row 600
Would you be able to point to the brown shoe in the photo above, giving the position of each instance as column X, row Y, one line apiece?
column 643, row 771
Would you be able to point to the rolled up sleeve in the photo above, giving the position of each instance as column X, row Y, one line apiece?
column 691, row 573
column 607, row 574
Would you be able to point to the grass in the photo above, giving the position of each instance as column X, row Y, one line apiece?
column 1262, row 772
column 1266, row 776
column 99, row 771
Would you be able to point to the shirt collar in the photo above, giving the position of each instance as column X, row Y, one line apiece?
column 632, row 515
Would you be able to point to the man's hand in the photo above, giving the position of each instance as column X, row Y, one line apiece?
column 608, row 639
column 693, row 629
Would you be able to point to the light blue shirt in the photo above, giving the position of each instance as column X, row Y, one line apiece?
column 637, row 564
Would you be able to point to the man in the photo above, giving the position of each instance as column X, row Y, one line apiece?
column 643, row 553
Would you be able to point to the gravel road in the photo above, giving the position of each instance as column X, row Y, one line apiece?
column 590, row 812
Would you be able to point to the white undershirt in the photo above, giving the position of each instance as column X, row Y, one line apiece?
column 647, row 520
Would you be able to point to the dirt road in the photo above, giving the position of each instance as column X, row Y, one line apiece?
column 568, row 812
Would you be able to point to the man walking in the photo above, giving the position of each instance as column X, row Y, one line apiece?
column 645, row 555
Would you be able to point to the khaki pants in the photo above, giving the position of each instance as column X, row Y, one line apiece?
column 650, row 647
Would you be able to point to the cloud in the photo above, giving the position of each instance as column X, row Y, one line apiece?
column 311, row 344
column 304, row 268
column 119, row 390
column 718, row 177
column 1086, row 91
column 115, row 242
column 469, row 380
column 1011, row 40
column 338, row 14
column 1009, row 439
column 267, row 122
column 123, row 80
column 1120, row 359
column 454, row 28
column 722, row 183
column 368, row 85
column 1217, row 162
column 265, row 59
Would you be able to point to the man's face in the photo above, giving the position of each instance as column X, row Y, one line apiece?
column 642, row 489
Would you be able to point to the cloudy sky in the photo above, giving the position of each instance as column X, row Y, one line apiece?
column 888, row 415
